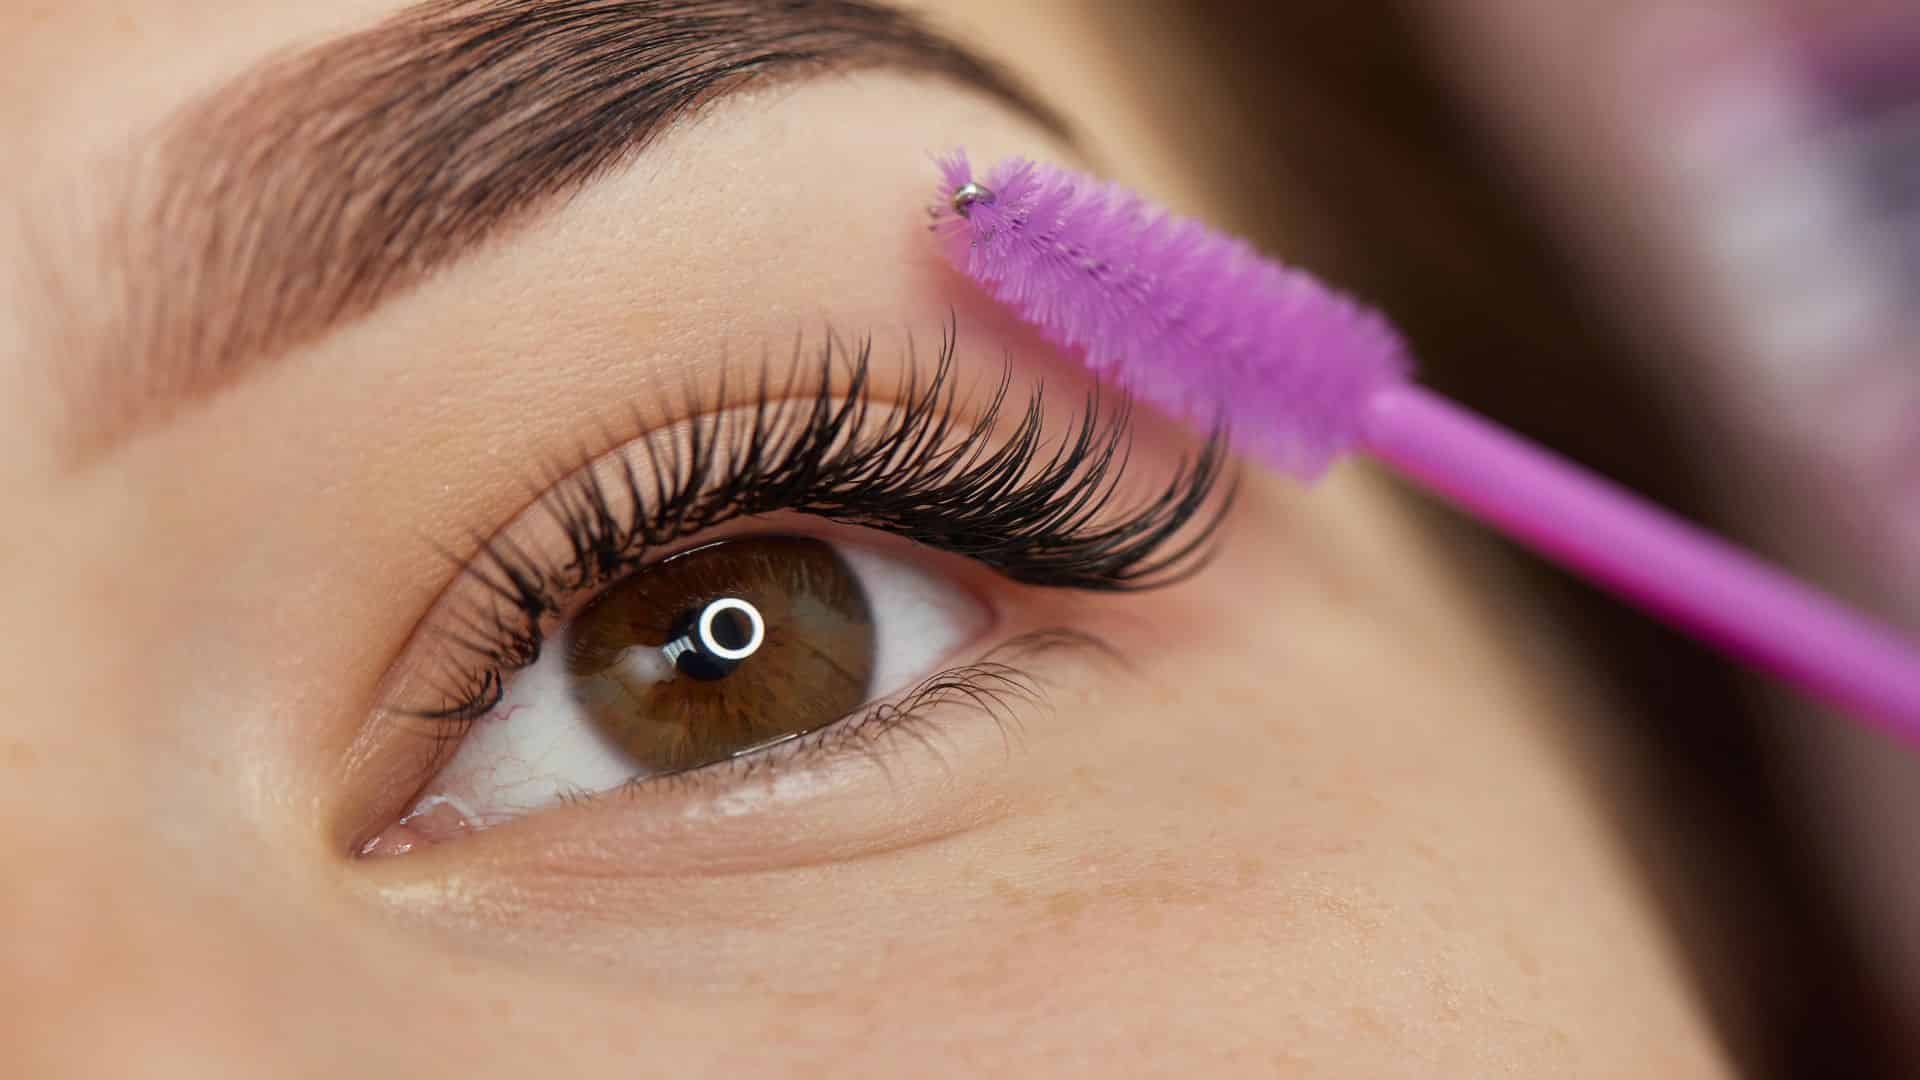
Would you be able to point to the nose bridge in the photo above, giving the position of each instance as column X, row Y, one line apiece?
column 162, row 909
column 90, row 957
column 139, row 958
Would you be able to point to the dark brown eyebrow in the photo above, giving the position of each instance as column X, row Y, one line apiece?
column 310, row 189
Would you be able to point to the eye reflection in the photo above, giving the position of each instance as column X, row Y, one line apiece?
column 721, row 649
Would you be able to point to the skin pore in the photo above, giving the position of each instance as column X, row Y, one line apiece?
column 1314, row 815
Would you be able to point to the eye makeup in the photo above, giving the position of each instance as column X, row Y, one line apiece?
column 970, row 471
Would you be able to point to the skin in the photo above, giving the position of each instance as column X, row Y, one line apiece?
column 1319, row 815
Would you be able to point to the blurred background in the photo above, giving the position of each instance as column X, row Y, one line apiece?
column 1679, row 241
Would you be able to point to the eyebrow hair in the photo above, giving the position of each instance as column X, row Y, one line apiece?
column 308, row 190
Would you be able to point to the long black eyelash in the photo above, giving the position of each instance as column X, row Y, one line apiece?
column 1027, row 507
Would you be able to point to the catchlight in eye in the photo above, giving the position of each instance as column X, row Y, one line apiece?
column 723, row 648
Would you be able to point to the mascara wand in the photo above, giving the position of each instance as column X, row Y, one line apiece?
column 1188, row 319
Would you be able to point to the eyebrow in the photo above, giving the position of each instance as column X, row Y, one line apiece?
column 312, row 188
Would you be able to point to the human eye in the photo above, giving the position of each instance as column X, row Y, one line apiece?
column 834, row 572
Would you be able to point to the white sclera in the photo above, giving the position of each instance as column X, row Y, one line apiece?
column 918, row 619
column 538, row 745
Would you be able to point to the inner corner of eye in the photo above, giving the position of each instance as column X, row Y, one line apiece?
column 717, row 652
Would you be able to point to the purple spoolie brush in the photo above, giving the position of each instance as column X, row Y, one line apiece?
column 1189, row 319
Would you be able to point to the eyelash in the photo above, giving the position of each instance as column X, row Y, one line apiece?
column 1025, row 511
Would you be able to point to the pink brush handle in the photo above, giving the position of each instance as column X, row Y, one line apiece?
column 1703, row 585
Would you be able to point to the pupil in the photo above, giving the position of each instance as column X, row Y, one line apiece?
column 731, row 629
column 698, row 665
column 705, row 633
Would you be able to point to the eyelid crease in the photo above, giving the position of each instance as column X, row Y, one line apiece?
column 823, row 441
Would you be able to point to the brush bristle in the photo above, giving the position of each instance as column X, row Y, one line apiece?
column 1192, row 320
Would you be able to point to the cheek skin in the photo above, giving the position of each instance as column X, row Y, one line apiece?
column 1332, row 837
column 1321, row 817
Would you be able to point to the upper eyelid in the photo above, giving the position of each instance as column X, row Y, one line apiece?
column 1007, row 498
column 889, row 740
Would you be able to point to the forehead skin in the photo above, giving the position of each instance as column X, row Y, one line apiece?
column 1335, row 834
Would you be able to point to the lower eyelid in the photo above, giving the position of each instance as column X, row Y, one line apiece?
column 1003, row 686
column 903, row 749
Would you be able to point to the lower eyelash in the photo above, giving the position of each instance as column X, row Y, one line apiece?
column 995, row 686
column 1035, row 512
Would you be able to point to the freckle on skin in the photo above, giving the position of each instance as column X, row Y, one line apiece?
column 1521, row 956
column 1239, row 696
column 1369, row 1021
column 1250, row 867
column 1084, row 777
column 21, row 756
column 1231, row 796
column 1065, row 907
column 1155, row 890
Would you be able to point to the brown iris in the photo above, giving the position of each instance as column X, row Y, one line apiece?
column 723, row 648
